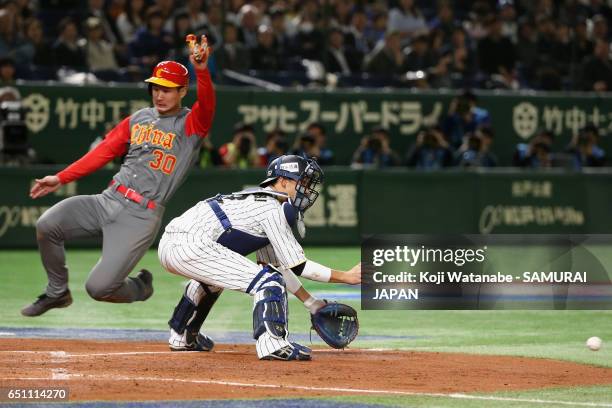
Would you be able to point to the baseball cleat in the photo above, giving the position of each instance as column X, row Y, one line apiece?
column 145, row 279
column 45, row 302
column 198, row 342
column 290, row 352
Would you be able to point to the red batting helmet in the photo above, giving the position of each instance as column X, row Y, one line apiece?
column 170, row 74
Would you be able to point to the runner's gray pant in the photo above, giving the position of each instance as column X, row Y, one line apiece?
column 128, row 229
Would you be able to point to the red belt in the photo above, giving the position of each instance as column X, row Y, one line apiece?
column 133, row 195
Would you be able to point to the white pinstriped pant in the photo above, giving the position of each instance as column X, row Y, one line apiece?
column 211, row 263
column 206, row 261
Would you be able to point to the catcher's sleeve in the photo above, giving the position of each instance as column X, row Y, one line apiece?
column 287, row 251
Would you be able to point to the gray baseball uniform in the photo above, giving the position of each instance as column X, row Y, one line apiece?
column 160, row 151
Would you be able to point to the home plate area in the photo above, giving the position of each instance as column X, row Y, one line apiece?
column 119, row 370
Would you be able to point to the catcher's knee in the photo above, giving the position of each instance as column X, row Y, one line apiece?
column 270, row 304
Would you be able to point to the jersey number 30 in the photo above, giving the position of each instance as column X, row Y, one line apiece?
column 163, row 161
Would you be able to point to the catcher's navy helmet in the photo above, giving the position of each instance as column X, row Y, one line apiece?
column 306, row 172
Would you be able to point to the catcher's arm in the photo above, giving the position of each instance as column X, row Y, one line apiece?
column 321, row 273
column 295, row 286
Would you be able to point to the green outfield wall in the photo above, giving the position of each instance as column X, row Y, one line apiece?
column 64, row 120
column 354, row 202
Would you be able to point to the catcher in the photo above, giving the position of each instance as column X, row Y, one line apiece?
column 209, row 244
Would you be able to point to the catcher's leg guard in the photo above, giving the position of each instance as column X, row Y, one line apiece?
column 189, row 315
column 270, row 318
column 270, row 308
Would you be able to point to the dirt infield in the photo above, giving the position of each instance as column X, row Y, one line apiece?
column 139, row 371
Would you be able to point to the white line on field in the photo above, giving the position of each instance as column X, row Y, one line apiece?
column 63, row 354
column 7, row 334
column 333, row 389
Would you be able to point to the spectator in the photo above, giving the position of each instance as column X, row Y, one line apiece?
column 166, row 8
column 131, row 20
column 305, row 146
column 600, row 28
column 537, row 153
column 462, row 61
column 215, row 22
column 496, row 54
column 464, row 116
column 336, row 59
column 421, row 58
column 182, row 28
column 341, row 14
column 152, row 42
column 527, row 52
column 597, row 69
column 507, row 15
column 581, row 48
column 266, row 57
column 486, row 134
column 308, row 40
column 355, row 37
column 477, row 20
column 197, row 20
column 209, row 155
column 325, row 156
column 98, row 52
column 95, row 8
column 35, row 49
column 476, row 149
column 386, row 58
column 376, row 33
column 67, row 49
column 10, row 28
column 548, row 72
column 248, row 19
column 375, row 151
column 444, row 21
column 281, row 39
column 232, row 54
column 276, row 146
column 468, row 154
column 241, row 152
column 7, row 72
column 431, row 151
column 562, row 57
column 407, row 19
column 585, row 150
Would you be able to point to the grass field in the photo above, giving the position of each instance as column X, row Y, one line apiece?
column 548, row 334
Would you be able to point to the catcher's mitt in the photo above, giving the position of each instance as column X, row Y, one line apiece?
column 336, row 324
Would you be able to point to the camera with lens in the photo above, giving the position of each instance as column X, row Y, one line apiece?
column 307, row 140
column 281, row 145
column 13, row 128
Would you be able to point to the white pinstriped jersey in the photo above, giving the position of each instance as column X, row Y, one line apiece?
column 256, row 214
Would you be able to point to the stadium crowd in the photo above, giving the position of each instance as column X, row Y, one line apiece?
column 457, row 44
column 512, row 44
column 461, row 140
